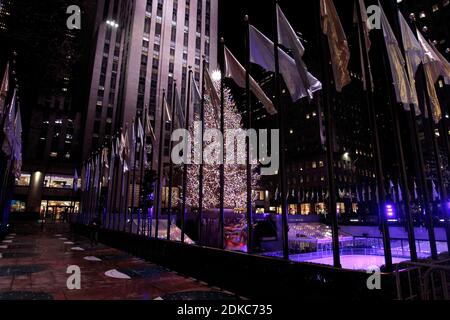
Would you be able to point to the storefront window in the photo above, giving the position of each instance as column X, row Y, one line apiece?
column 17, row 206
column 305, row 209
column 24, row 180
column 293, row 209
column 59, row 182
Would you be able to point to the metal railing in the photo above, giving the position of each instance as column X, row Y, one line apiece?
column 423, row 281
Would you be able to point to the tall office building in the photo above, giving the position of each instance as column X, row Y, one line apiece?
column 141, row 48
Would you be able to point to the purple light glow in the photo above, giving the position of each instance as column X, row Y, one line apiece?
column 390, row 212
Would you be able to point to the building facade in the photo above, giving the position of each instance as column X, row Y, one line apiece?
column 141, row 48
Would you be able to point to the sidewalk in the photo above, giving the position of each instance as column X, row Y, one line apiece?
column 33, row 266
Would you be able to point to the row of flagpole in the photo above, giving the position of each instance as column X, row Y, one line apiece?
column 10, row 140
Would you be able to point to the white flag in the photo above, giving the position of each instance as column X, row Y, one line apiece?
column 445, row 65
column 8, row 129
column 75, row 181
column 414, row 56
column 4, row 88
column 433, row 69
column 17, row 145
column 262, row 53
column 235, row 71
column 167, row 109
column 288, row 38
column 399, row 76
column 436, row 195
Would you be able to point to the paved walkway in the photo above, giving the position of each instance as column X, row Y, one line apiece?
column 34, row 263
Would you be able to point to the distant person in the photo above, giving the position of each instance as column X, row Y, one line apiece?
column 95, row 228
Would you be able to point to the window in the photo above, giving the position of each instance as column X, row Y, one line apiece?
column 58, row 182
column 24, row 180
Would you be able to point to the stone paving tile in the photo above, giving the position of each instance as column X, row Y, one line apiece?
column 46, row 255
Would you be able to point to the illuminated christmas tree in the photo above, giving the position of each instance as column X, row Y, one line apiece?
column 235, row 174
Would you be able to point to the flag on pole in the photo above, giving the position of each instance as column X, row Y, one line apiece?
column 262, row 53
column 149, row 130
column 414, row 56
column 8, row 128
column 358, row 198
column 133, row 145
column 105, row 166
column 444, row 69
column 112, row 161
column 436, row 195
column 235, row 71
column 75, row 181
column 167, row 109
column 400, row 79
column 399, row 193
column 369, row 193
column 276, row 194
column 124, row 150
column 377, row 195
column 433, row 70
column 4, row 90
column 17, row 153
column 179, row 111
column 337, row 43
column 288, row 38
column 416, row 196
column 364, row 28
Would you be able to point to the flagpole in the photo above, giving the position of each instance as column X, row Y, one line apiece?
column 185, row 167
column 377, row 149
column 127, row 184
column 279, row 106
column 172, row 128
column 142, row 169
column 201, row 170
column 118, row 184
column 160, row 164
column 133, row 179
column 249, row 126
column 222, row 165
column 332, row 204
column 427, row 199
column 121, row 198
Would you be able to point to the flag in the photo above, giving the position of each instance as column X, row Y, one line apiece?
column 235, row 71
column 414, row 56
column 112, row 161
column 133, row 145
column 376, row 194
column 400, row 79
column 105, row 166
column 416, row 196
column 436, row 195
column 140, row 133
column 167, row 109
column 433, row 70
column 369, row 193
column 75, row 181
column 179, row 111
column 17, row 145
column 262, row 53
column 196, row 96
column 124, row 150
column 399, row 193
column 444, row 69
column 358, row 198
column 341, row 194
column 4, row 88
column 337, row 43
column 364, row 28
column 276, row 194
column 8, row 128
column 288, row 38
column 149, row 130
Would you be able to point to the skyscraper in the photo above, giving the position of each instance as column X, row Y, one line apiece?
column 141, row 48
